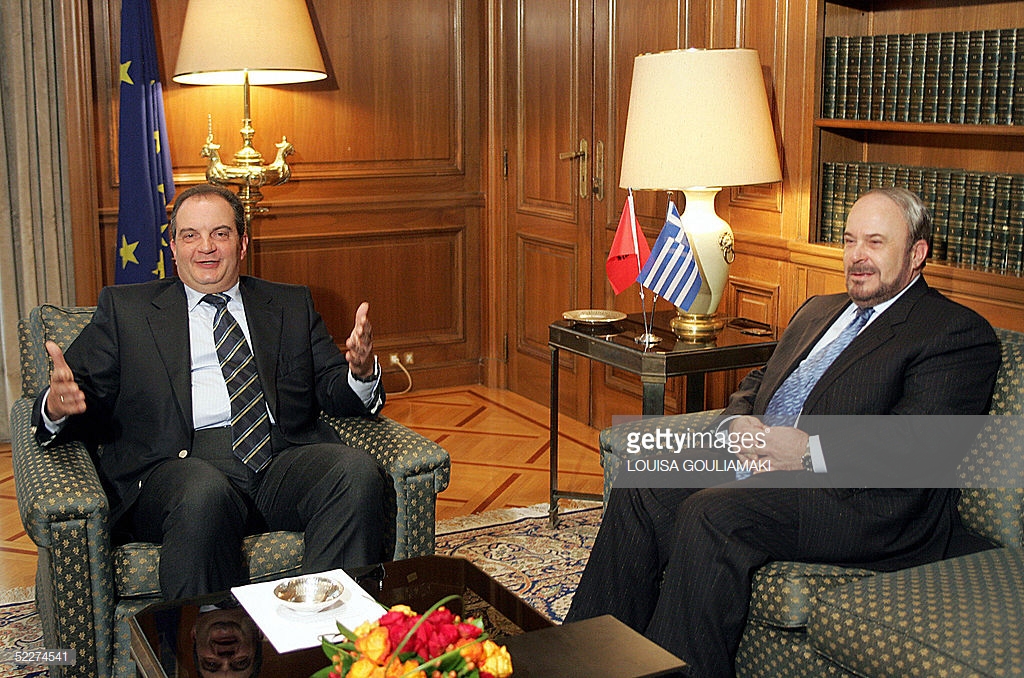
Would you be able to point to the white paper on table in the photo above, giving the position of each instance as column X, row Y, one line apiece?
column 290, row 630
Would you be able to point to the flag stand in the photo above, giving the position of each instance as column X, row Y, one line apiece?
column 648, row 338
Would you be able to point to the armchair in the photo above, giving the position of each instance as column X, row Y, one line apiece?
column 87, row 588
column 956, row 617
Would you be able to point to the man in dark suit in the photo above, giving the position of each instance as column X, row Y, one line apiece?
column 147, row 381
column 676, row 564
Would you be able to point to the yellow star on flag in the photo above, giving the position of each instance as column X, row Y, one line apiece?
column 127, row 252
column 160, row 271
column 124, row 72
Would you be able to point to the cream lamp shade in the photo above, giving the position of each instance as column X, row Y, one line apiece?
column 699, row 120
column 271, row 40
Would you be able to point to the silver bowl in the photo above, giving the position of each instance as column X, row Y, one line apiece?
column 309, row 593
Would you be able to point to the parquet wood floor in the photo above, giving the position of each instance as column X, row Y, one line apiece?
column 498, row 442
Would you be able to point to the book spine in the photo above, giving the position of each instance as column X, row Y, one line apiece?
column 989, row 77
column 986, row 220
column 890, row 76
column 852, row 78
column 842, row 78
column 828, row 78
column 889, row 175
column 955, row 230
column 1004, row 86
column 947, row 44
column 903, row 66
column 972, row 204
column 879, row 57
column 958, row 98
column 1015, row 234
column 866, row 77
column 928, row 187
column 917, row 67
column 930, row 102
column 828, row 191
column 975, row 56
column 1001, row 224
column 940, row 216
column 1018, row 80
column 838, row 223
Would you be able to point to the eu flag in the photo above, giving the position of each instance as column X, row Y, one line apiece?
column 144, row 161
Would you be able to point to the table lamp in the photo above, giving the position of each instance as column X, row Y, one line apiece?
column 239, row 42
column 698, row 120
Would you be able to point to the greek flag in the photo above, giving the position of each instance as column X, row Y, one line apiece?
column 671, row 270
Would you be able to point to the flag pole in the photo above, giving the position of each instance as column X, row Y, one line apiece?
column 648, row 338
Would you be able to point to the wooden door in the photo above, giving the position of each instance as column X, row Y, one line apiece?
column 549, row 141
column 567, row 72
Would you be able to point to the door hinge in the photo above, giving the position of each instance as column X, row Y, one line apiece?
column 504, row 163
column 504, row 347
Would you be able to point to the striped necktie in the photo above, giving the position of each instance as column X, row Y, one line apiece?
column 250, row 423
column 788, row 401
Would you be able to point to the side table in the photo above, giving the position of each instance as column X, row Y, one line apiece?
column 613, row 344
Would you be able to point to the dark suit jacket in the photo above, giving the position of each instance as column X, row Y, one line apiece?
column 925, row 355
column 133, row 363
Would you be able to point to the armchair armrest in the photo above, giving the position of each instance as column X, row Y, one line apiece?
column 419, row 466
column 613, row 440
column 55, row 484
column 402, row 451
column 66, row 513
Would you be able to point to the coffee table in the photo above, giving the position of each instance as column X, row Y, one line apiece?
column 162, row 644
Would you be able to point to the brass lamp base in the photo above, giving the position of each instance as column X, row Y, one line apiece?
column 696, row 327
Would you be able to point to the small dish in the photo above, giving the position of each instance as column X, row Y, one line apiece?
column 594, row 316
column 309, row 593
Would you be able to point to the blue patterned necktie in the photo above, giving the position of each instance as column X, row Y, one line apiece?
column 788, row 401
column 250, row 423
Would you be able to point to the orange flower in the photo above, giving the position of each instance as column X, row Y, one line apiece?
column 375, row 645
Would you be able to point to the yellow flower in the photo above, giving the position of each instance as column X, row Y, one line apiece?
column 498, row 662
column 398, row 669
column 364, row 668
column 404, row 609
column 366, row 627
column 375, row 645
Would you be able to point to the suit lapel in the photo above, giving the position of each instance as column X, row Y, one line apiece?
column 264, row 318
column 168, row 323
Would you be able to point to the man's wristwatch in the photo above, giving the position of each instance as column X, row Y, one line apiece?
column 372, row 377
column 806, row 460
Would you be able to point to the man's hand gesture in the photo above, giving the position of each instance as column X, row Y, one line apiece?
column 360, row 345
column 64, row 397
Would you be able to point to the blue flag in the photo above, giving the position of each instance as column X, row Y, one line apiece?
column 144, row 161
column 671, row 271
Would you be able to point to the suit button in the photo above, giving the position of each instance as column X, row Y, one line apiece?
column 182, row 454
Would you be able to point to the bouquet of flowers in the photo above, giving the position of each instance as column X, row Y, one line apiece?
column 403, row 644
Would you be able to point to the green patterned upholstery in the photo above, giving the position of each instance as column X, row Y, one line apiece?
column 86, row 588
column 810, row 619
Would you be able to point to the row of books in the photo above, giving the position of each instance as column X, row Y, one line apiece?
column 958, row 77
column 977, row 217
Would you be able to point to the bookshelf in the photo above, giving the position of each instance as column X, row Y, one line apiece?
column 929, row 96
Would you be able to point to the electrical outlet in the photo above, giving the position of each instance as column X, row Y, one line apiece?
column 407, row 358
column 394, row 359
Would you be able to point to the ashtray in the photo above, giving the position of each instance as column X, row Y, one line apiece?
column 310, row 593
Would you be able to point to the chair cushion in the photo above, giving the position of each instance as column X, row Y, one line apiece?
column 956, row 617
column 783, row 592
column 268, row 556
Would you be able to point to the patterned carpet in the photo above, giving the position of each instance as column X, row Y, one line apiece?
column 515, row 546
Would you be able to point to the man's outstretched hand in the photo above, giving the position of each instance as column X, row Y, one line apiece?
column 64, row 397
column 360, row 344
